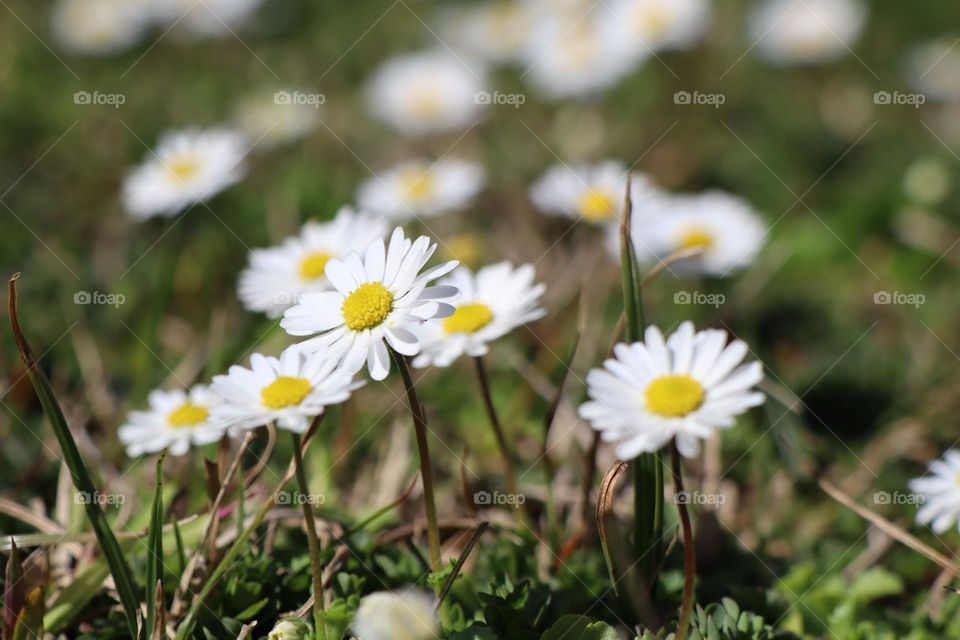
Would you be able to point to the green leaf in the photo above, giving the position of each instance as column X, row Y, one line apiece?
column 122, row 576
column 155, row 548
column 579, row 628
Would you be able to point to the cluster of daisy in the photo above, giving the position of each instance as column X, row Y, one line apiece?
column 724, row 229
column 355, row 297
column 98, row 27
column 578, row 49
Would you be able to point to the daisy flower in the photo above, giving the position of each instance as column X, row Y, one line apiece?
column 176, row 420
column 808, row 31
column 394, row 616
column 933, row 68
column 419, row 188
column 572, row 55
column 278, row 117
column 498, row 299
column 939, row 493
column 495, row 31
column 290, row 390
column 426, row 92
column 378, row 298
column 726, row 228
column 592, row 192
column 275, row 278
column 685, row 388
column 656, row 25
column 100, row 26
column 188, row 166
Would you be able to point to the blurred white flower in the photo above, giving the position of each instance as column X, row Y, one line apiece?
column 725, row 227
column 492, row 303
column 176, row 420
column 290, row 390
column 396, row 616
column 188, row 166
column 206, row 18
column 275, row 118
column 426, row 92
column 656, row 25
column 575, row 54
column 495, row 31
column 927, row 181
column 420, row 188
column 275, row 278
column 291, row 629
column 933, row 68
column 378, row 298
column 685, row 387
column 939, row 493
column 806, row 31
column 100, row 26
column 595, row 192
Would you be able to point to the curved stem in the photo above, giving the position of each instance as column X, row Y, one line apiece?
column 426, row 469
column 689, row 557
column 502, row 444
column 313, row 543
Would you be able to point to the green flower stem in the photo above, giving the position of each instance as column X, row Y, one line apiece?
column 426, row 470
column 509, row 470
column 313, row 543
column 689, row 557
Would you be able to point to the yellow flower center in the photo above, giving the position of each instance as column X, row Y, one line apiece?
column 425, row 100
column 465, row 247
column 367, row 307
column 468, row 318
column 596, row 206
column 314, row 265
column 416, row 184
column 187, row 415
column 652, row 20
column 674, row 396
column 696, row 238
column 285, row 391
column 182, row 168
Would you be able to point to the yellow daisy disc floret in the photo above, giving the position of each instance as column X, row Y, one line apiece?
column 674, row 396
column 367, row 306
column 696, row 239
column 596, row 205
column 314, row 265
column 468, row 318
column 187, row 415
column 285, row 391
